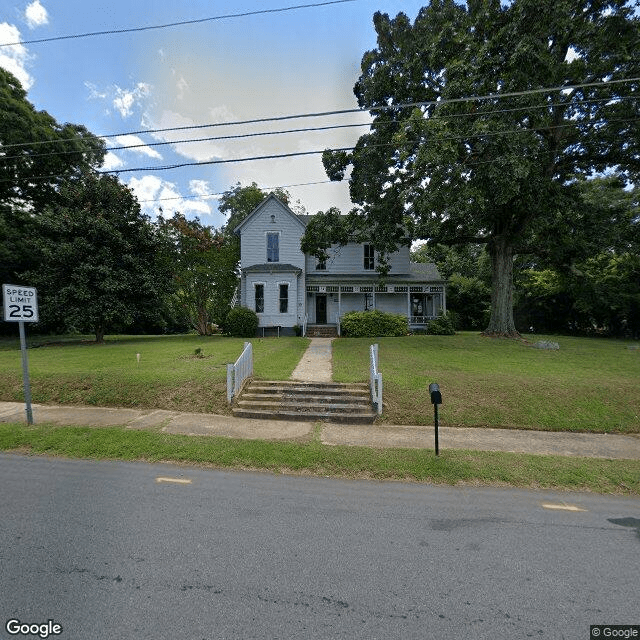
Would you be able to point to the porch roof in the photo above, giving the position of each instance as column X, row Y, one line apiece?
column 420, row 273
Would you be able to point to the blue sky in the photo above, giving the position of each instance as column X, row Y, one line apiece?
column 300, row 61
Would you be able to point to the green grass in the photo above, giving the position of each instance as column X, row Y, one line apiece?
column 451, row 467
column 588, row 385
column 168, row 375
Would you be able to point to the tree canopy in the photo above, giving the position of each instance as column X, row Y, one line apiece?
column 37, row 156
column 486, row 121
column 101, row 264
column 204, row 272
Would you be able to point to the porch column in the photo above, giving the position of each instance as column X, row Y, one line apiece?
column 408, row 305
column 339, row 308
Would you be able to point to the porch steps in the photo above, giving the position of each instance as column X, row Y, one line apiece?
column 306, row 401
column 322, row 331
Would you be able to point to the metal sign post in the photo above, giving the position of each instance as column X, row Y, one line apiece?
column 21, row 305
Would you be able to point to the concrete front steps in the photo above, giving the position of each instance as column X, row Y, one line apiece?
column 322, row 331
column 306, row 401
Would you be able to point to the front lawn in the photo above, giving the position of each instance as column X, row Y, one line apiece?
column 588, row 385
column 168, row 374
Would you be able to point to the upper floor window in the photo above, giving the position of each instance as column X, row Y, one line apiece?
column 284, row 298
column 321, row 265
column 273, row 247
column 259, row 298
column 369, row 257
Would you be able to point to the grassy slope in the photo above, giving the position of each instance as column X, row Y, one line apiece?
column 168, row 376
column 588, row 385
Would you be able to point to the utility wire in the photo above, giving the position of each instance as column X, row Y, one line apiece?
column 190, row 140
column 291, row 155
column 206, row 196
column 383, row 108
column 175, row 24
column 469, row 136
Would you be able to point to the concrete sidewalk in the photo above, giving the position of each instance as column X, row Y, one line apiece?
column 377, row 436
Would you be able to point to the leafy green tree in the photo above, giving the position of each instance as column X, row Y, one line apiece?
column 204, row 272
column 37, row 156
column 102, row 265
column 584, row 278
column 494, row 151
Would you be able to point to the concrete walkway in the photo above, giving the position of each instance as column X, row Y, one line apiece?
column 315, row 364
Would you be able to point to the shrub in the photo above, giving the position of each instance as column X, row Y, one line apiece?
column 371, row 324
column 441, row 326
column 242, row 323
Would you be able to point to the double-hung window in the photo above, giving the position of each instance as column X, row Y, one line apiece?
column 369, row 257
column 273, row 247
column 284, row 298
column 259, row 298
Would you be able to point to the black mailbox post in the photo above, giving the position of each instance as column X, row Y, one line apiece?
column 436, row 399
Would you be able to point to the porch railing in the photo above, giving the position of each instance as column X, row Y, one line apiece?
column 239, row 371
column 420, row 319
column 375, row 378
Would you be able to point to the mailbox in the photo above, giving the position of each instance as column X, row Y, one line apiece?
column 434, row 392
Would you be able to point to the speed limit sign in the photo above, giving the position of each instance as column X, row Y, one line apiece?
column 20, row 303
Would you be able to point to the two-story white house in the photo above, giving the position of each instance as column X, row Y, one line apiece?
column 287, row 288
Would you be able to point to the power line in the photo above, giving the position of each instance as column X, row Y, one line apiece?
column 175, row 24
column 220, row 193
column 312, row 129
column 191, row 140
column 382, row 108
column 307, row 153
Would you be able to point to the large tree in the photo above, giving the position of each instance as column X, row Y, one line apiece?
column 37, row 156
column 102, row 265
column 204, row 272
column 486, row 118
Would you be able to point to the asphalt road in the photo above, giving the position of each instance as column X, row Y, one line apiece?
column 122, row 550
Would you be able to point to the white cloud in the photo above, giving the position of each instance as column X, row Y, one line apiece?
column 15, row 57
column 203, row 189
column 154, row 194
column 94, row 93
column 36, row 15
column 126, row 99
column 112, row 162
column 137, row 146
column 198, row 151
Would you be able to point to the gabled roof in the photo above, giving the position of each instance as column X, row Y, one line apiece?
column 262, row 205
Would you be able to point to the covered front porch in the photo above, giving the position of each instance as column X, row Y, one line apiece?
column 327, row 303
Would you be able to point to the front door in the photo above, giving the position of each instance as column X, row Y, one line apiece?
column 321, row 309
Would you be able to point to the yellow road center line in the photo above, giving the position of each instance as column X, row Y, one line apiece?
column 562, row 507
column 176, row 480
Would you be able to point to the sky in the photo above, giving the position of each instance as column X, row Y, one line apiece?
column 122, row 86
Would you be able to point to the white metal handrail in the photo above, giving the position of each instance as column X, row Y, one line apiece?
column 375, row 378
column 238, row 372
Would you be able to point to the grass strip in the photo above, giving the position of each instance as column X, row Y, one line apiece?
column 313, row 458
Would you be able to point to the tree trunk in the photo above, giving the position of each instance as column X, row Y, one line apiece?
column 501, row 322
column 99, row 332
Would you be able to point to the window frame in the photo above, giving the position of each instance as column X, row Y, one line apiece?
column 273, row 249
column 256, row 298
column 369, row 257
column 283, row 299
